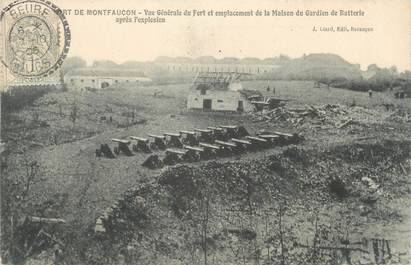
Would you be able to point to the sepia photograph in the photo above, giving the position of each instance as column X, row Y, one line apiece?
column 176, row 132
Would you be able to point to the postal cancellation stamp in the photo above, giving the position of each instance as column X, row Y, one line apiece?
column 36, row 38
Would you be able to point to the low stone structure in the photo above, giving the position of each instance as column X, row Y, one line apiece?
column 91, row 78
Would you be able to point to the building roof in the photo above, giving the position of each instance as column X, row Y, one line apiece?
column 215, row 77
column 250, row 92
column 214, row 80
column 105, row 72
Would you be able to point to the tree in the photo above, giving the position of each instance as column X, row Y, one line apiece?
column 72, row 63
column 406, row 74
column 74, row 114
column 283, row 57
column 36, row 114
column 61, row 110
column 105, row 64
column 205, row 207
column 17, row 180
column 373, row 67
column 394, row 70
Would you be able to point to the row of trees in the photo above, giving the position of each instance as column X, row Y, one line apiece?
column 379, row 79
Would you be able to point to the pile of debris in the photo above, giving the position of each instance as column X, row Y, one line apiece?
column 338, row 116
column 127, row 211
column 400, row 115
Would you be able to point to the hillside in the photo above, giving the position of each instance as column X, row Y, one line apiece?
column 321, row 66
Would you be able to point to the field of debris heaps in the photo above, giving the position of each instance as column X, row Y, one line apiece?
column 341, row 194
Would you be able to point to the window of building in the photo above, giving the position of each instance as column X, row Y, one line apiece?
column 116, row 81
column 72, row 80
column 93, row 80
column 220, row 100
column 203, row 91
column 82, row 80
column 127, row 81
column 195, row 98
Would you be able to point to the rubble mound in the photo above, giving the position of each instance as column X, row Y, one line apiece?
column 338, row 115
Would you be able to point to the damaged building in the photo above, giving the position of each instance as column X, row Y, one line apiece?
column 218, row 92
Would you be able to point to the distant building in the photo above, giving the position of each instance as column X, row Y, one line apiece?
column 92, row 78
column 208, row 64
column 217, row 67
column 218, row 92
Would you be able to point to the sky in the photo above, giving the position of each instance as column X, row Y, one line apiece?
column 101, row 38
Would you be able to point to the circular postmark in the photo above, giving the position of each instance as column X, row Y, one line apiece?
column 36, row 37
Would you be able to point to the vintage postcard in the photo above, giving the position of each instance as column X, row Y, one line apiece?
column 208, row 132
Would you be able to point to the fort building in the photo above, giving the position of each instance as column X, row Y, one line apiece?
column 89, row 78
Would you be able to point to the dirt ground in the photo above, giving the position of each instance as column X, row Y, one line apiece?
column 65, row 149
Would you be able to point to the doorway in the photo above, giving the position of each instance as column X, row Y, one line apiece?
column 207, row 104
column 105, row 85
column 240, row 107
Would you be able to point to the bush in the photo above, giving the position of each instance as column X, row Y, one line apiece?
column 19, row 97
